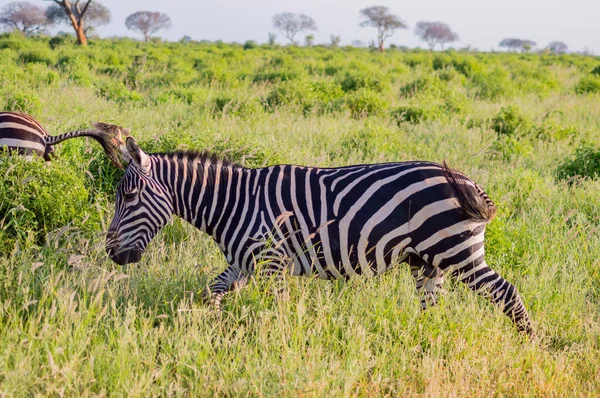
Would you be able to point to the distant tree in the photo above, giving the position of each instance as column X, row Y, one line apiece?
column 434, row 33
column 517, row 44
column 527, row 45
column 290, row 24
column 357, row 43
column 83, row 17
column 335, row 40
column 309, row 40
column 23, row 16
column 272, row 40
column 386, row 23
column 148, row 22
column 558, row 47
column 511, row 44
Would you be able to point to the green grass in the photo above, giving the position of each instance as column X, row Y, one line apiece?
column 73, row 323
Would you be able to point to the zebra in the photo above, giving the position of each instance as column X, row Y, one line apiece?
column 22, row 134
column 326, row 222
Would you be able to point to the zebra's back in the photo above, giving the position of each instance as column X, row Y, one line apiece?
column 359, row 219
column 23, row 134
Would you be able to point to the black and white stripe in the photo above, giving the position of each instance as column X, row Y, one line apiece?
column 22, row 134
column 333, row 223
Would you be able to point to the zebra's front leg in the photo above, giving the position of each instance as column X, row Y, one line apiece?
column 429, row 281
column 231, row 278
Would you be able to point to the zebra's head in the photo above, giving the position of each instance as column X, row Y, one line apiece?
column 142, row 208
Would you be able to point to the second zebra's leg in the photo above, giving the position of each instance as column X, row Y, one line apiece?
column 231, row 278
column 479, row 277
column 429, row 280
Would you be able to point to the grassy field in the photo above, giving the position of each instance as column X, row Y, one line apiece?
column 523, row 125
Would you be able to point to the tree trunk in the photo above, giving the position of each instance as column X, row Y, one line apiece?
column 77, row 24
column 81, row 38
column 380, row 46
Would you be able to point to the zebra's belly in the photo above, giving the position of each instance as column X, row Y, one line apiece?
column 373, row 261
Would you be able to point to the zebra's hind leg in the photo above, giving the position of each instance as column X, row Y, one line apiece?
column 429, row 280
column 480, row 278
column 231, row 278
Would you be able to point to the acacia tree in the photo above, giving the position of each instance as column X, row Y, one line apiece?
column 558, row 47
column 517, row 44
column 383, row 20
column 511, row 44
column 148, row 22
column 83, row 17
column 290, row 24
column 434, row 33
column 23, row 16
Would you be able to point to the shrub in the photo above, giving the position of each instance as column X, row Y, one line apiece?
column 273, row 76
column 507, row 147
column 491, row 85
column 38, row 198
column 320, row 95
column 39, row 55
column 14, row 41
column 412, row 114
column 360, row 144
column 596, row 71
column 363, row 79
column 365, row 103
column 116, row 91
column 23, row 102
column 510, row 121
column 231, row 104
column 77, row 69
column 428, row 84
column 60, row 40
column 584, row 163
column 588, row 85
column 250, row 44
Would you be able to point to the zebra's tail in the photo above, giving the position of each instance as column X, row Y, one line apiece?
column 111, row 141
column 476, row 204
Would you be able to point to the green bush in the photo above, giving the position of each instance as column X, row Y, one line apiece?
column 60, row 40
column 510, row 121
column 23, row 102
column 588, row 85
column 39, row 55
column 596, row 71
column 230, row 104
column 414, row 114
column 584, row 163
column 491, row 85
column 508, row 147
column 363, row 79
column 365, row 103
column 250, row 44
column 116, row 91
column 426, row 85
column 322, row 96
column 37, row 198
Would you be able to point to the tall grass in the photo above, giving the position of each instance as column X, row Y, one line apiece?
column 74, row 323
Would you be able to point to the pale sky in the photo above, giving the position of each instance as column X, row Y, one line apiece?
column 479, row 23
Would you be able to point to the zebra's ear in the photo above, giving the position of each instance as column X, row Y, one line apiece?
column 138, row 157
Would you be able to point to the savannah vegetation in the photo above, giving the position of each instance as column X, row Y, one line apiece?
column 525, row 126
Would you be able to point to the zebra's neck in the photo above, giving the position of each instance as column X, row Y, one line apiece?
column 207, row 192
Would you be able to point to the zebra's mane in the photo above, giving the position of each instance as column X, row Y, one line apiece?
column 198, row 156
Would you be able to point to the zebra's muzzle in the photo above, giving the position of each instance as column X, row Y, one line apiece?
column 127, row 256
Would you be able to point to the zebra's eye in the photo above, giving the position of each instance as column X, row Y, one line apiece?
column 129, row 196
